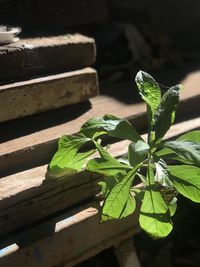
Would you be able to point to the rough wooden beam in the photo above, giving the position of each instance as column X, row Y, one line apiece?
column 67, row 240
column 38, row 56
column 38, row 95
column 37, row 147
column 26, row 197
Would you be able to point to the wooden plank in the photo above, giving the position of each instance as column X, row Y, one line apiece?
column 38, row 146
column 26, row 197
column 39, row 56
column 38, row 95
column 67, row 240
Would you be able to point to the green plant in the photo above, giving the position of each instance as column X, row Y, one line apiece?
column 165, row 168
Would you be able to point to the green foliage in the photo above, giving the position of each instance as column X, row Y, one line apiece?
column 154, row 212
column 149, row 161
column 165, row 113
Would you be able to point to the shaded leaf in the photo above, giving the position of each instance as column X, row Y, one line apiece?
column 165, row 113
column 187, row 150
column 137, row 152
column 186, row 180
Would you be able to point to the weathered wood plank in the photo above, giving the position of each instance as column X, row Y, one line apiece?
column 26, row 197
column 37, row 147
column 67, row 240
column 38, row 95
column 38, row 56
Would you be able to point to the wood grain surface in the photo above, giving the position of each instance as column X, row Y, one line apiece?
column 38, row 95
column 46, row 55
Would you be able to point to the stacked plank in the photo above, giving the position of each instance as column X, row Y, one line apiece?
column 55, row 222
column 41, row 74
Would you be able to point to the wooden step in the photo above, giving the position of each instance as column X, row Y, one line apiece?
column 38, row 95
column 37, row 146
column 38, row 56
column 66, row 240
column 27, row 196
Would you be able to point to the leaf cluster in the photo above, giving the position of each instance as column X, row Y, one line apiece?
column 165, row 168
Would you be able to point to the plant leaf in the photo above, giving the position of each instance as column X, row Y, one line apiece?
column 137, row 152
column 107, row 167
column 109, row 182
column 187, row 150
column 162, row 175
column 115, row 205
column 186, row 179
column 110, row 125
column 170, row 155
column 154, row 213
column 165, row 113
column 173, row 206
column 191, row 136
column 150, row 92
column 68, row 159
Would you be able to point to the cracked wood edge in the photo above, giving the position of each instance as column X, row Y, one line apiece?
column 51, row 92
column 41, row 56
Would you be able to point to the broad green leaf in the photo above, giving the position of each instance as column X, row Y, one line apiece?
column 137, row 152
column 165, row 113
column 162, row 176
column 109, row 182
column 107, row 164
column 170, row 155
column 173, row 206
column 112, row 126
column 150, row 92
column 186, row 180
column 128, row 210
column 117, row 204
column 104, row 154
column 191, row 136
column 154, row 214
column 187, row 150
column 107, row 167
column 68, row 158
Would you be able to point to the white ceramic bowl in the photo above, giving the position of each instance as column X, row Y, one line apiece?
column 8, row 34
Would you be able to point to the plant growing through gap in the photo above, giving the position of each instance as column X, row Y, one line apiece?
column 166, row 168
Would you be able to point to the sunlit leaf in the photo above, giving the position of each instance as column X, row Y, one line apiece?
column 154, row 213
column 112, row 126
column 186, row 180
column 117, row 204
